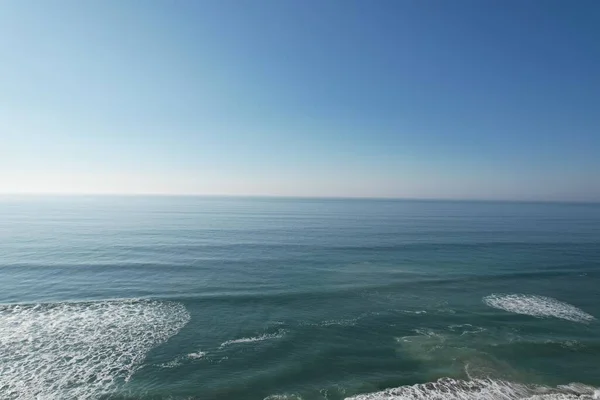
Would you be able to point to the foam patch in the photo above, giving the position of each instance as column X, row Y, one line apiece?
column 79, row 350
column 199, row 354
column 481, row 389
column 537, row 306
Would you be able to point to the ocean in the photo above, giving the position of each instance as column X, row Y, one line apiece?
column 107, row 297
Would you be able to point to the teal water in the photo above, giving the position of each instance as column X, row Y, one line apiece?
column 223, row 298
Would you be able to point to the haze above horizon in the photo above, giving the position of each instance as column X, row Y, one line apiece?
column 392, row 99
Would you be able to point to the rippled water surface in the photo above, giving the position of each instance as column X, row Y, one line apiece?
column 233, row 298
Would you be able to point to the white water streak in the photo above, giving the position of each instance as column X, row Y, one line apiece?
column 537, row 306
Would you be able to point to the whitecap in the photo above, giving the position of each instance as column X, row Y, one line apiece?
column 466, row 329
column 198, row 354
column 480, row 389
column 537, row 306
column 267, row 336
column 180, row 360
column 284, row 396
column 572, row 345
column 79, row 350
column 340, row 322
column 171, row 364
column 414, row 312
column 418, row 312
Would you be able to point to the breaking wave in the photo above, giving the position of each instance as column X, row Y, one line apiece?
column 79, row 350
column 481, row 389
column 537, row 306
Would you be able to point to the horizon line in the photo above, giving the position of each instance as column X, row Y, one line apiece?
column 291, row 197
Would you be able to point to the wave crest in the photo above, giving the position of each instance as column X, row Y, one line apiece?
column 537, row 306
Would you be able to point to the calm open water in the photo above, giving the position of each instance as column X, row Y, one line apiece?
column 234, row 298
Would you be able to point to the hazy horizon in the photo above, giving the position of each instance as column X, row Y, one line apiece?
column 289, row 197
column 421, row 100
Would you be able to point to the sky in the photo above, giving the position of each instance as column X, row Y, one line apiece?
column 464, row 99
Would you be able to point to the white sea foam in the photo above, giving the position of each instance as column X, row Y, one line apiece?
column 572, row 345
column 429, row 333
column 180, row 360
column 171, row 364
column 537, row 306
column 335, row 390
column 417, row 312
column 267, row 336
column 423, row 336
column 466, row 329
column 79, row 350
column 283, row 397
column 341, row 322
column 481, row 389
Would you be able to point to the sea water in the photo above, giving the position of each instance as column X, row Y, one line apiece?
column 265, row 298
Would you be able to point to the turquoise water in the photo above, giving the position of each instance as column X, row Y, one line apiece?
column 223, row 298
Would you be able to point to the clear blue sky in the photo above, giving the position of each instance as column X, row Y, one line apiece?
column 401, row 98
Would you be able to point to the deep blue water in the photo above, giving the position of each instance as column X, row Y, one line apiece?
column 246, row 298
